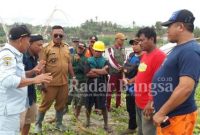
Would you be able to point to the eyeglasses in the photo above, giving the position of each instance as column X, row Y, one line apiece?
column 58, row 35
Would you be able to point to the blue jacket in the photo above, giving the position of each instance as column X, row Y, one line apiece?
column 131, row 66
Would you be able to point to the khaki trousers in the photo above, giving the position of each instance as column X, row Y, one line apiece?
column 57, row 93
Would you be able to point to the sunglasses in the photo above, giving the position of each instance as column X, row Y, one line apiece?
column 58, row 35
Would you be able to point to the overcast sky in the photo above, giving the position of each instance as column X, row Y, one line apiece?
column 123, row 12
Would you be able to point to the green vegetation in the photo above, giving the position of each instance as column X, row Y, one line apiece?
column 104, row 29
column 197, row 97
column 118, row 120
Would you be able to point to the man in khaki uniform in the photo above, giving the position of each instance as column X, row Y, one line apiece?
column 58, row 63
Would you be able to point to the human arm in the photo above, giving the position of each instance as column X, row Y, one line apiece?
column 42, row 78
column 70, row 67
column 92, row 74
column 179, row 96
column 102, row 71
column 189, row 72
column 36, row 70
column 113, row 62
column 156, row 64
column 13, row 75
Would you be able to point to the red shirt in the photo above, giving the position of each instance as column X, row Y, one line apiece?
column 149, row 64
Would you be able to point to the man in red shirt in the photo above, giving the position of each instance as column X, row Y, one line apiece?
column 149, row 64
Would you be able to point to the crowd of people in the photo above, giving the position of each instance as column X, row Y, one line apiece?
column 159, row 87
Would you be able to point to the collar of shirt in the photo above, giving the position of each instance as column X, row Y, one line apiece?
column 13, row 49
column 27, row 54
column 56, row 45
column 118, row 47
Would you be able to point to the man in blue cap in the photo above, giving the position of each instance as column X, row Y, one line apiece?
column 175, row 82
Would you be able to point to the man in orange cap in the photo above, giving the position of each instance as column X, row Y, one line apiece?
column 116, row 60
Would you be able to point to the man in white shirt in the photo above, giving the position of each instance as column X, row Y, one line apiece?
column 13, row 82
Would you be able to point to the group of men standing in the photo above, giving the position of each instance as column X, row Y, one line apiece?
column 159, row 88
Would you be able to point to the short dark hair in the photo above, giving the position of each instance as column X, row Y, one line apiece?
column 189, row 26
column 57, row 27
column 35, row 37
column 148, row 32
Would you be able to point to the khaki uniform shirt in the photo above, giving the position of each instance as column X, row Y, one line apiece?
column 57, row 59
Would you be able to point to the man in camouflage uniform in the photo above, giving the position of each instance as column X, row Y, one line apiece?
column 78, row 62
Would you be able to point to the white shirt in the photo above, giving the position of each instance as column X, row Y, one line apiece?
column 13, row 100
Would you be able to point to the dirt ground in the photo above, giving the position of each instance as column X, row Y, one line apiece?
column 118, row 119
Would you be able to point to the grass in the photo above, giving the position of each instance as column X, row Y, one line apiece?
column 118, row 120
column 197, row 98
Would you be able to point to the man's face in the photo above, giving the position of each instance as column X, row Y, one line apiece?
column 57, row 36
column 80, row 50
column 91, row 43
column 24, row 44
column 119, row 42
column 173, row 32
column 98, row 54
column 137, row 47
column 145, row 42
column 36, row 47
column 75, row 43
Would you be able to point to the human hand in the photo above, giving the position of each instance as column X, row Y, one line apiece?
column 125, row 81
column 43, row 78
column 148, row 110
column 158, row 118
column 44, row 87
column 76, row 57
column 38, row 68
column 120, row 69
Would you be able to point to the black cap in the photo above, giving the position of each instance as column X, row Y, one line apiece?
column 184, row 16
column 93, row 38
column 35, row 37
column 19, row 31
column 133, row 41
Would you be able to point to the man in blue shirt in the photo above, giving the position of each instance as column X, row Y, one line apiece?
column 30, row 60
column 175, row 82
column 130, row 71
